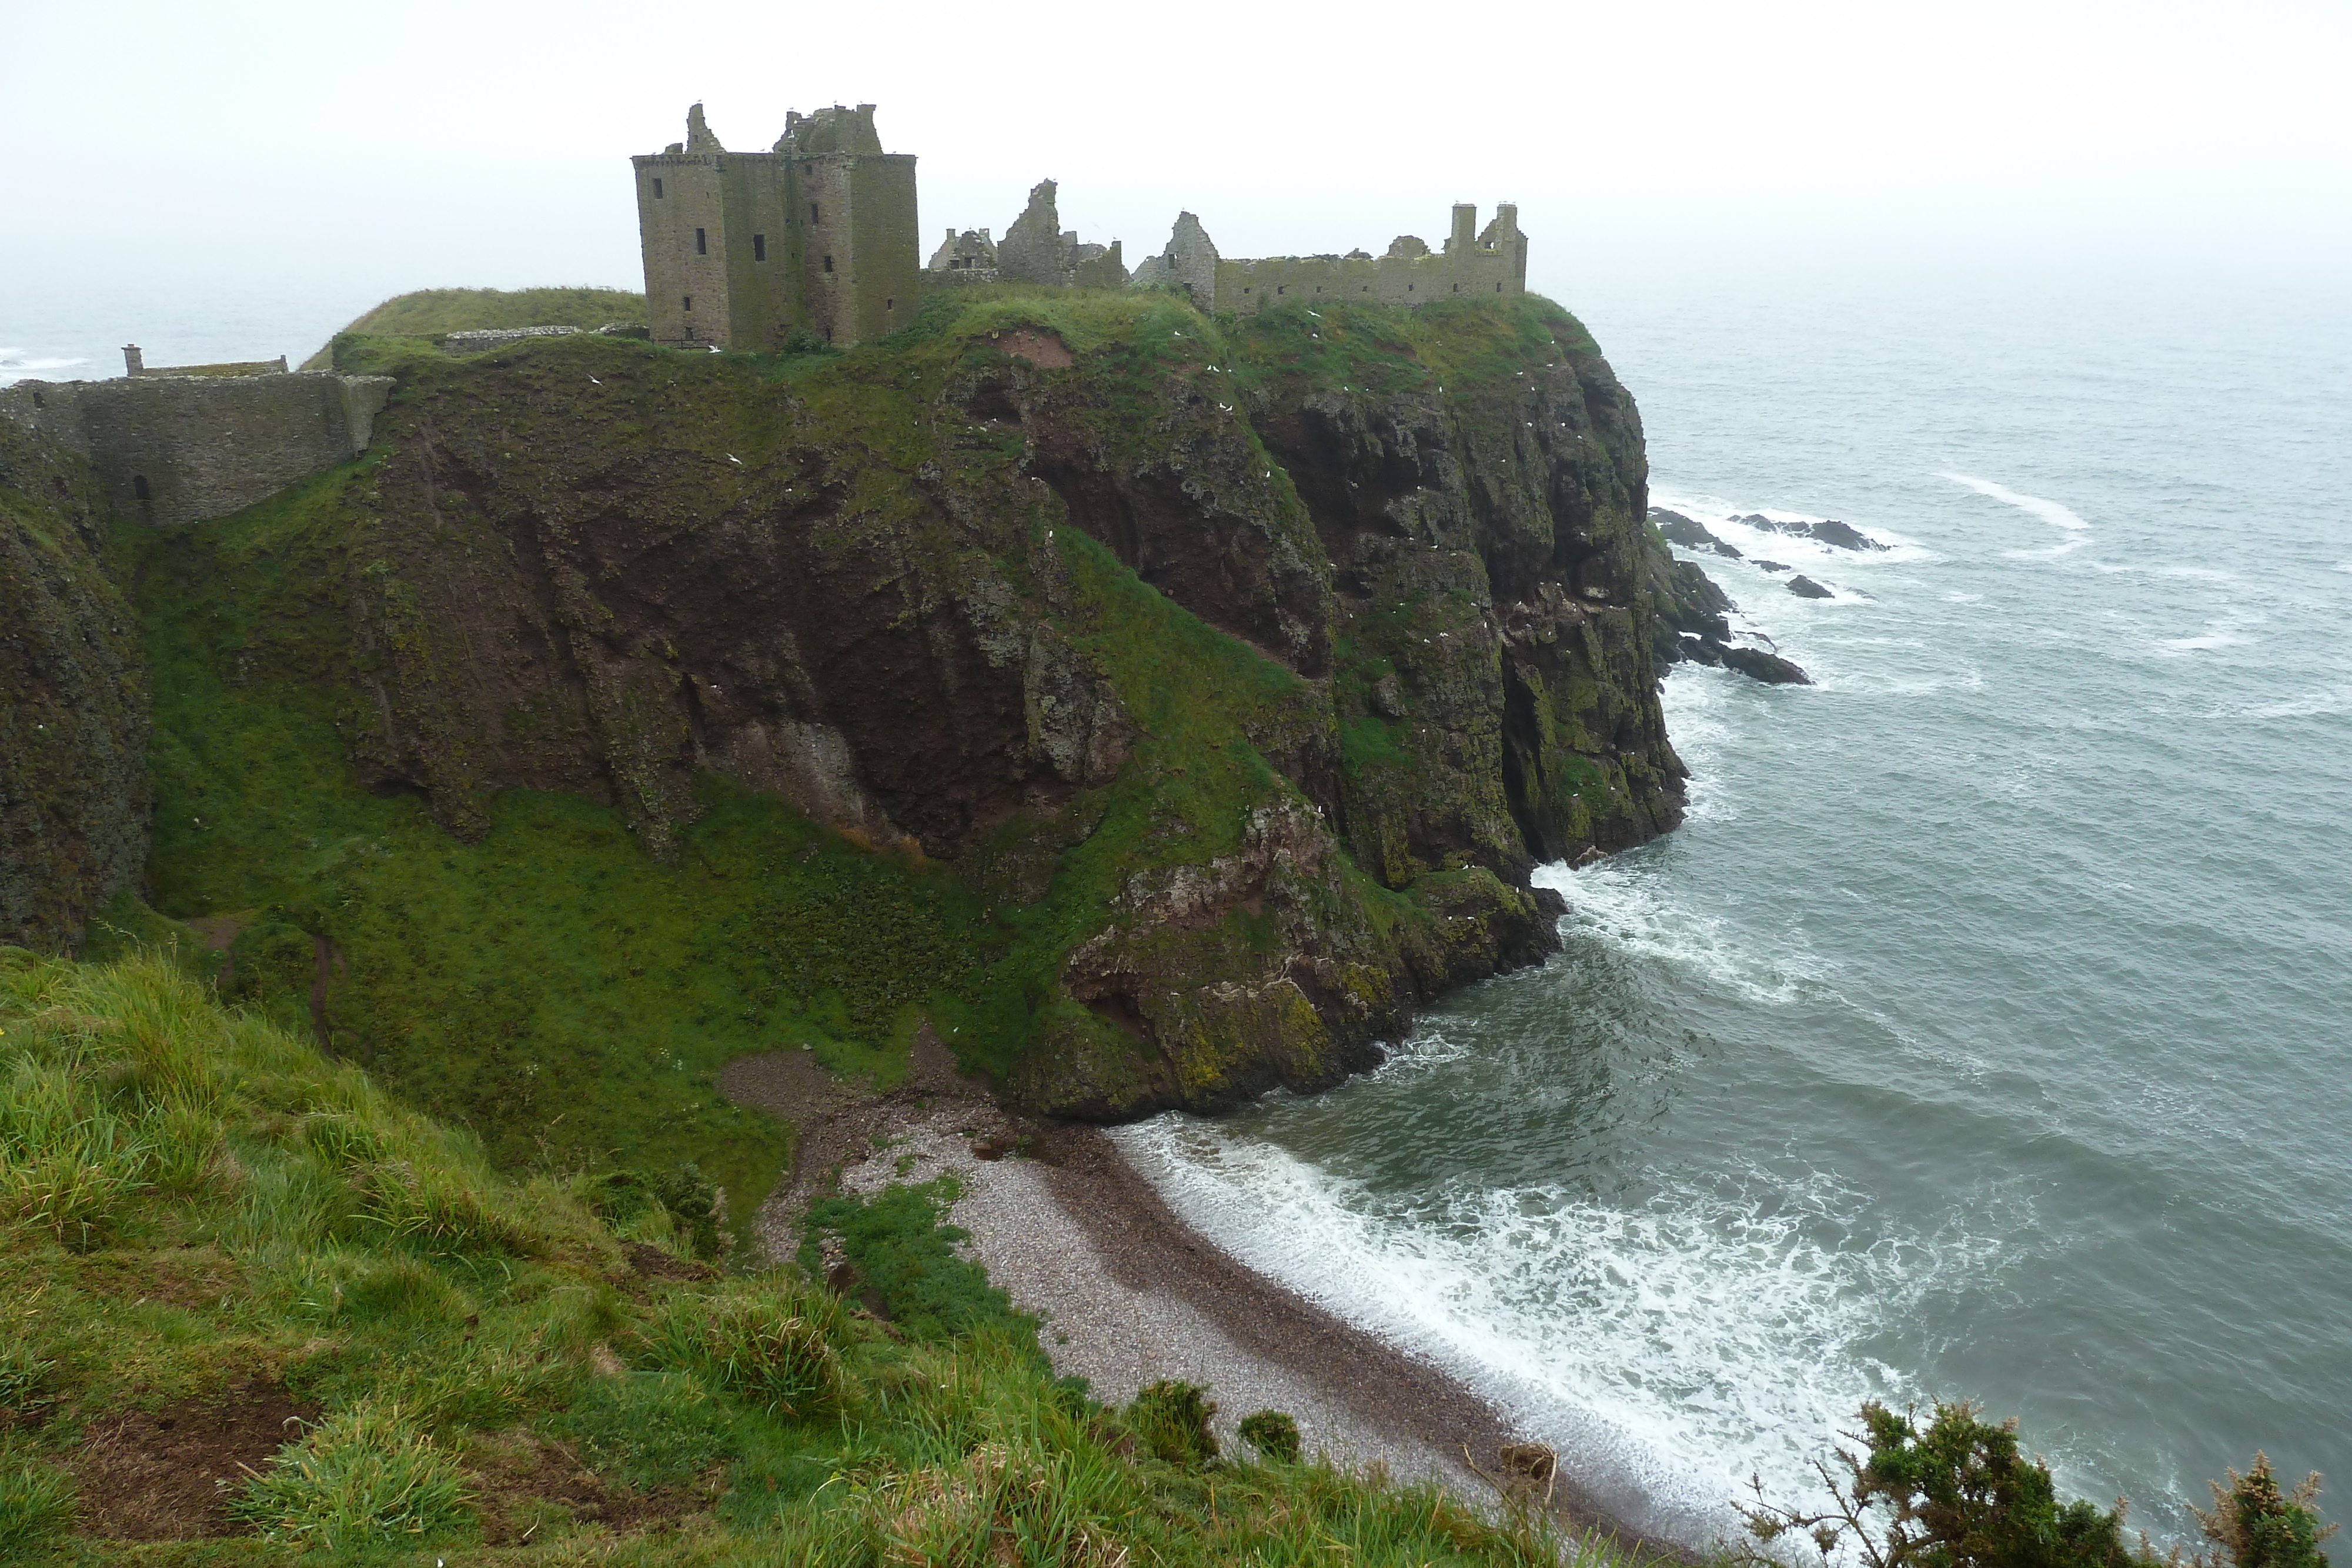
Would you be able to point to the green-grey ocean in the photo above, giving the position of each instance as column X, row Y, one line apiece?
column 1984, row 1032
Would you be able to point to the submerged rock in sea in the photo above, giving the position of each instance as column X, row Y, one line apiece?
column 1770, row 668
column 1688, row 532
column 1804, row 587
column 1773, row 565
column 1844, row 536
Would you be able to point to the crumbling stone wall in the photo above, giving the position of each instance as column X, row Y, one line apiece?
column 1037, row 249
column 962, row 258
column 1490, row 264
column 173, row 450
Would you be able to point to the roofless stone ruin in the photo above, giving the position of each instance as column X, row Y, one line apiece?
column 818, row 236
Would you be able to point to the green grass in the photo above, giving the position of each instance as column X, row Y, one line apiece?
column 430, row 312
column 758, row 1416
column 899, row 1244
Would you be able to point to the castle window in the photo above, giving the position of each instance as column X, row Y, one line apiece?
column 1499, row 288
column 813, row 216
column 1282, row 288
column 138, row 486
column 1408, row 289
column 759, row 247
column 891, row 303
column 658, row 190
column 36, row 399
column 1457, row 288
column 828, row 264
column 701, row 243
column 690, row 302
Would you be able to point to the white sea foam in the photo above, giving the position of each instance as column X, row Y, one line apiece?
column 14, row 366
column 1673, row 1345
column 1623, row 906
column 2051, row 512
column 2306, row 705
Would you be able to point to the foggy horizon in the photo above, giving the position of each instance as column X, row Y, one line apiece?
column 262, row 154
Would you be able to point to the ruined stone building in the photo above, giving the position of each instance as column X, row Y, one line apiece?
column 817, row 234
column 966, row 258
column 1483, row 264
column 1035, row 249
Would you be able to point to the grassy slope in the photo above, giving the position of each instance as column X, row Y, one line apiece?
column 429, row 312
column 196, row 1203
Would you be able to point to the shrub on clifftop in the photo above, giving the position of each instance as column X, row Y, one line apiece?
column 1956, row 1492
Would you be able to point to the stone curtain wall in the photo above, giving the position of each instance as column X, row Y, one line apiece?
column 1493, row 264
column 204, row 446
column 1247, row 287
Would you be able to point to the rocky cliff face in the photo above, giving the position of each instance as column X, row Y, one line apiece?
column 1245, row 672
column 73, row 702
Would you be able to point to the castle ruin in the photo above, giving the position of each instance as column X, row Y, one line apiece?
column 1478, row 264
column 817, row 235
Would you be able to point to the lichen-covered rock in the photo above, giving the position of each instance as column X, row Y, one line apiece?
column 73, row 702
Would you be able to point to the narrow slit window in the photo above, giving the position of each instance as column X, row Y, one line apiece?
column 813, row 216
column 759, row 247
column 690, row 302
column 138, row 486
column 701, row 243
column 828, row 264
column 657, row 188
column 890, row 304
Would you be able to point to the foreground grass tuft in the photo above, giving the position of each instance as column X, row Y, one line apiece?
column 365, row 1477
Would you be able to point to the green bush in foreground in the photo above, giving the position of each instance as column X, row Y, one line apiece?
column 2260, row 1527
column 1956, row 1492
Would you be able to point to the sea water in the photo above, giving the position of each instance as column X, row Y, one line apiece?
column 1983, row 1033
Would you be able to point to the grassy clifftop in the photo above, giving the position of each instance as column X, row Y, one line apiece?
column 220, row 1249
column 430, row 312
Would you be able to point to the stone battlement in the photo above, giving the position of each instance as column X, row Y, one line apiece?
column 174, row 448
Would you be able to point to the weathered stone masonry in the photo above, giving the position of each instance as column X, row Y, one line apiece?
column 1490, row 264
column 174, row 449
column 816, row 235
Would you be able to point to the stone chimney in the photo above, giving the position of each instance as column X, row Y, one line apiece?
column 134, row 363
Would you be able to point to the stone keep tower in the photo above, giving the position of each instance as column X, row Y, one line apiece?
column 819, row 232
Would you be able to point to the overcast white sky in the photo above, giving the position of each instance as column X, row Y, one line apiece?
column 371, row 149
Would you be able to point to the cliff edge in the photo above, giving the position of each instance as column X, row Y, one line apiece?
column 1157, row 708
